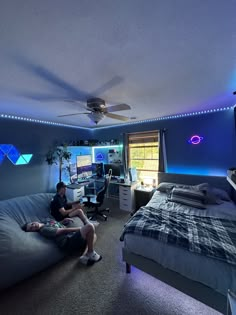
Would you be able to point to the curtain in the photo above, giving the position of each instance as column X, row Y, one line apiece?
column 162, row 151
column 125, row 153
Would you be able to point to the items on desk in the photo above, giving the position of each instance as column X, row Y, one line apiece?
column 85, row 180
column 121, row 180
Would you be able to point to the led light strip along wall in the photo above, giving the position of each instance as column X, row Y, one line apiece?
column 207, row 111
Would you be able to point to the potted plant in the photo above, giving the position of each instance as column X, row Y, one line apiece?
column 57, row 156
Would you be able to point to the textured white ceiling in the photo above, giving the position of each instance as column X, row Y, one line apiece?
column 161, row 57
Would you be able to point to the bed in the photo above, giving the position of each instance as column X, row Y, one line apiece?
column 202, row 271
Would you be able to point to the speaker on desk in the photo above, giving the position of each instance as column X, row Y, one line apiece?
column 132, row 174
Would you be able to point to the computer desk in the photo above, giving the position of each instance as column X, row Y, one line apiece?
column 76, row 191
column 124, row 192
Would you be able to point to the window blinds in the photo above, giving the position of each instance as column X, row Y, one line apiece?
column 143, row 137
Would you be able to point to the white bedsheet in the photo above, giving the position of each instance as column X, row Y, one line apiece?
column 212, row 272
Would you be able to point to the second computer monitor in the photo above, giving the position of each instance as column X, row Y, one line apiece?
column 115, row 168
column 97, row 169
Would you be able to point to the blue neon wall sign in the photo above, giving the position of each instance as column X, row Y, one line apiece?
column 12, row 153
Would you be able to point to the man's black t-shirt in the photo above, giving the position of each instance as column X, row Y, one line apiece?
column 57, row 203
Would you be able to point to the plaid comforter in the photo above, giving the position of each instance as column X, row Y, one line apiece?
column 212, row 237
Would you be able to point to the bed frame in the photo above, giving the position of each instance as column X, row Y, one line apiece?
column 192, row 288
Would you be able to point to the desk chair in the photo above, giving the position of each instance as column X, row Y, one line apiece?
column 96, row 201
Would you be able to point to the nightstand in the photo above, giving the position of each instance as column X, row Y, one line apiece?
column 126, row 196
column 142, row 196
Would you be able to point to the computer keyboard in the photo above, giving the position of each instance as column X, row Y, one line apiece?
column 80, row 181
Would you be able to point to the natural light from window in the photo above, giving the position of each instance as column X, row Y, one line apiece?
column 143, row 154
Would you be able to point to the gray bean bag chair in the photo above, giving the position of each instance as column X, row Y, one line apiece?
column 23, row 254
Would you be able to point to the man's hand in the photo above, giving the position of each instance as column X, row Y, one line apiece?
column 67, row 221
column 74, row 203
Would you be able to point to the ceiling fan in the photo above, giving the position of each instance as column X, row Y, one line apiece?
column 97, row 110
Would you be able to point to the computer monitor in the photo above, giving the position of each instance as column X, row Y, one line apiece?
column 84, row 165
column 97, row 169
column 116, row 169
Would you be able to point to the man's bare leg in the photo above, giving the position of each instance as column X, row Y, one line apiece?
column 78, row 212
column 88, row 233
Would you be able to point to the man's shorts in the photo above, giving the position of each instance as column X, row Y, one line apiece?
column 75, row 244
column 67, row 207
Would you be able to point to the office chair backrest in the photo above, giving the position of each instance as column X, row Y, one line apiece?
column 101, row 194
column 108, row 177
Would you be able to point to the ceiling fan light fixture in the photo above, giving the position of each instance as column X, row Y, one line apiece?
column 96, row 117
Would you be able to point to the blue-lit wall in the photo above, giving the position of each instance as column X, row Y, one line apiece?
column 37, row 175
column 214, row 155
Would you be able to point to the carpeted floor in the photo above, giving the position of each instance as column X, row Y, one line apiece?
column 105, row 289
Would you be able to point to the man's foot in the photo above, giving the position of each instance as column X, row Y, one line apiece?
column 90, row 258
column 95, row 223
column 86, row 261
column 94, row 256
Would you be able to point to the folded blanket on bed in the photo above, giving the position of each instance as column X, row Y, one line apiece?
column 212, row 237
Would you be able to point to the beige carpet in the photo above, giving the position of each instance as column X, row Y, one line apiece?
column 103, row 289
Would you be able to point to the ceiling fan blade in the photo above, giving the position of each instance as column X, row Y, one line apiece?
column 114, row 81
column 70, row 100
column 117, row 108
column 41, row 97
column 72, row 114
column 115, row 116
column 74, row 101
column 51, row 77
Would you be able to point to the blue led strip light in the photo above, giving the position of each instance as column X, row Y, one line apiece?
column 13, row 155
column 207, row 111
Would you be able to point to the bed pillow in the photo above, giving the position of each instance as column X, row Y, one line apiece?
column 202, row 187
column 165, row 187
column 220, row 193
column 212, row 199
column 183, row 186
column 192, row 198
column 213, row 195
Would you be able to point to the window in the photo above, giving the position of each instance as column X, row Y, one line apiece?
column 143, row 154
